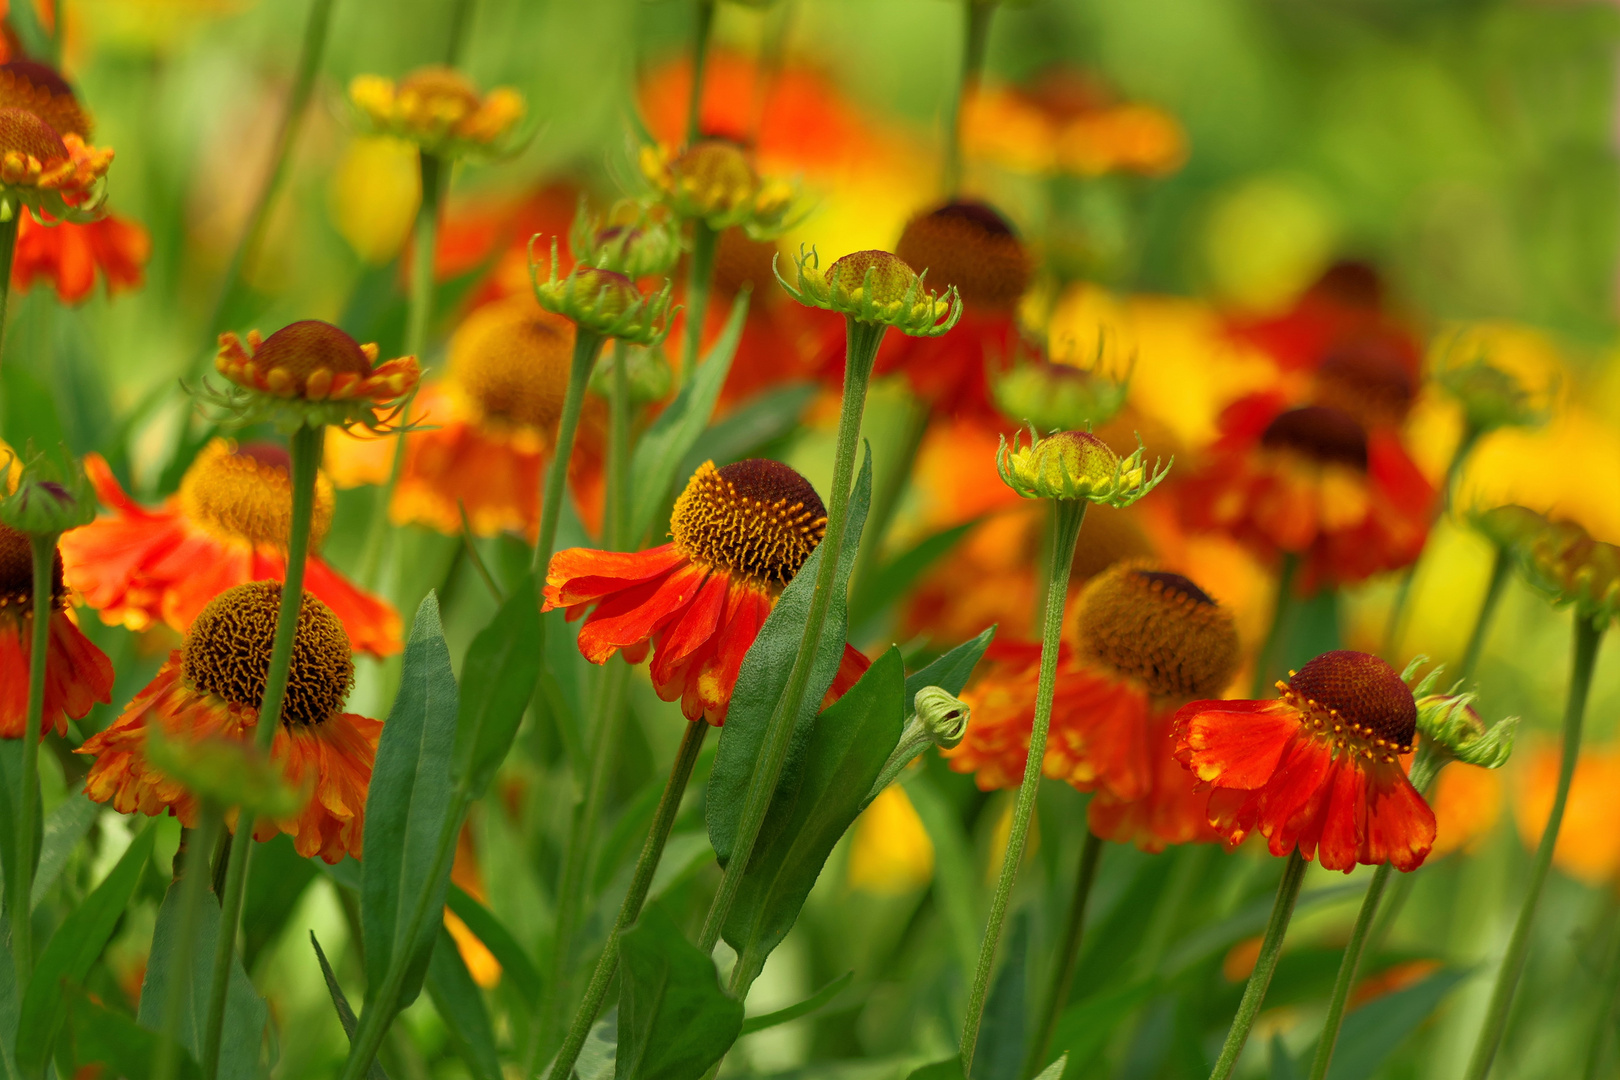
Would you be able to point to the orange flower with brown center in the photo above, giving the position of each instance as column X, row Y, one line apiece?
column 1318, row 769
column 77, row 674
column 227, row 525
column 310, row 372
column 213, row 687
column 738, row 535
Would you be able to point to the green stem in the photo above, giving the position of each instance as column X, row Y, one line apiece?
column 1057, row 994
column 1267, row 661
column 618, row 463
column 8, row 248
column 699, row 284
column 1424, row 767
column 1487, row 608
column 887, row 495
column 1254, row 994
column 1403, row 592
column 307, row 444
column 1588, row 635
column 418, row 314
column 700, row 61
column 20, row 878
column 1069, row 515
column 975, row 36
column 191, row 872
column 1607, row 994
column 861, row 341
column 652, row 851
column 587, row 344
column 461, row 20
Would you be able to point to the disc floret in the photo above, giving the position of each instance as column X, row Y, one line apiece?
column 874, row 287
column 1076, row 465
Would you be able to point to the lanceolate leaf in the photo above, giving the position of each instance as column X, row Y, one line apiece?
column 65, row 826
column 660, row 451
column 1376, row 1030
column 461, row 1007
column 340, row 1002
column 497, row 680
column 515, row 962
column 951, row 671
column 101, row 1036
column 848, row 746
column 71, row 952
column 674, row 1020
column 765, row 671
column 408, row 804
column 999, row 1054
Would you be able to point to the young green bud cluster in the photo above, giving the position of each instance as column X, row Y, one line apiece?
column 1076, row 465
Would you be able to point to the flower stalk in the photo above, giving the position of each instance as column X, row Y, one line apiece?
column 20, row 878
column 699, row 284
column 700, row 61
column 1057, row 993
column 1266, row 661
column 1588, row 635
column 587, row 344
column 8, row 249
column 191, row 873
column 976, row 17
column 1069, row 515
column 1254, row 994
column 1487, row 610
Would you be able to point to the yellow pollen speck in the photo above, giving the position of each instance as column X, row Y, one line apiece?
column 756, row 517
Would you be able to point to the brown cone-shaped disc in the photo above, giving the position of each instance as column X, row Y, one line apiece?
column 1160, row 628
column 757, row 517
column 1363, row 690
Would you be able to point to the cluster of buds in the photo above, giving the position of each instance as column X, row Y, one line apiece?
column 633, row 241
column 50, row 496
column 874, row 287
column 1450, row 724
column 438, row 109
column 1076, row 465
column 1559, row 558
column 713, row 181
column 603, row 302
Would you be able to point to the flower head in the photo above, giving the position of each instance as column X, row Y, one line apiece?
column 605, row 302
column 1570, row 567
column 439, row 109
column 1490, row 397
column 875, row 287
column 632, row 242
column 46, row 162
column 1318, row 769
column 1059, row 396
column 213, row 688
column 971, row 248
column 310, row 372
column 47, row 496
column 714, row 181
column 1076, row 465
column 739, row 534
column 69, row 255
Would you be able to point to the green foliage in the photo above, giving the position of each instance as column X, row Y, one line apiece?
column 674, row 1020
column 461, row 1006
column 127, row 1049
column 892, row 580
column 65, row 826
column 515, row 963
column 340, row 1002
column 1003, row 1038
column 799, row 1008
column 497, row 681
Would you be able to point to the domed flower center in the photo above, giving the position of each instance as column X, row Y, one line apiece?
column 739, row 261
column 1323, row 434
column 757, row 517
column 1351, row 283
column 305, row 347
column 1367, row 379
column 22, row 131
column 715, row 174
column 969, row 245
column 890, row 280
column 17, row 573
column 1357, row 701
column 227, row 653
column 1161, row 629
column 512, row 358
column 246, row 494
column 37, row 88
column 442, row 91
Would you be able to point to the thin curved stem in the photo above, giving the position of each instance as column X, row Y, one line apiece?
column 699, row 284
column 860, row 350
column 1254, row 994
column 20, row 878
column 1587, row 638
column 700, row 62
column 587, row 344
column 1057, row 993
column 8, row 249
column 1265, row 662
column 307, row 444
column 669, row 804
column 975, row 36
column 1487, row 610
column 1068, row 516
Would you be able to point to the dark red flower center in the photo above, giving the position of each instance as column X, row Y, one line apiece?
column 755, row 517
column 1368, row 378
column 971, row 246
column 1352, row 283
column 1356, row 697
column 17, row 572
column 1159, row 628
column 227, row 652
column 305, row 347
column 24, row 132
column 739, row 261
column 1321, row 433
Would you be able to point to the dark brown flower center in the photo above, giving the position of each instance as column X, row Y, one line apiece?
column 303, row 348
column 1352, row 283
column 17, row 573
column 227, row 653
column 24, row 132
column 971, row 246
column 39, row 89
column 512, row 361
column 1321, row 433
column 1160, row 628
column 755, row 517
column 1367, row 378
column 1356, row 696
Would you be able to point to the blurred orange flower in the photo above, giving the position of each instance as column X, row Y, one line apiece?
column 1467, row 802
column 1588, row 845
column 77, row 674
column 68, row 255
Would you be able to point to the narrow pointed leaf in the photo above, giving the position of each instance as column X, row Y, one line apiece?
column 515, row 962
column 951, row 671
column 1003, row 1042
column 461, row 1006
column 803, row 1008
column 894, row 578
column 340, row 1002
column 497, row 681
column 674, row 1020
column 65, row 826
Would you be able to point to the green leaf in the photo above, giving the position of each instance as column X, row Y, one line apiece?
column 461, row 1007
column 757, row 423
column 1003, row 1041
column 660, row 450
column 103, row 1036
column 340, row 1002
column 596, row 1057
column 674, row 1020
column 515, row 962
column 407, row 808
column 11, row 782
column 1372, row 1033
column 30, row 413
column 1207, row 941
column 71, row 952
column 8, row 1007
column 1282, row 1064
column 895, row 577
column 848, row 746
column 1055, row 1070
column 764, row 676
column 1084, row 1028
column 497, row 681
column 949, row 1069
column 65, row 827
column 951, row 671
column 803, row 1008
column 956, row 886
column 245, row 1012
column 280, row 876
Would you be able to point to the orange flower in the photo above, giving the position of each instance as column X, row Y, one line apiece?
column 315, row 373
column 1319, row 768
column 1588, row 846
column 739, row 533
column 77, row 674
column 46, row 161
column 494, row 423
column 227, row 525
column 213, row 688
column 1345, row 305
column 1467, row 804
column 68, row 255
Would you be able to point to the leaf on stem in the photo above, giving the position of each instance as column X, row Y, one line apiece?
column 102, row 1036
column 674, row 1020
column 515, row 962
column 951, row 671
column 406, row 810
column 497, row 681
column 1002, row 1046
column 800, row 1009
column 1376, row 1030
column 340, row 1002
column 461, row 1006
column 764, row 676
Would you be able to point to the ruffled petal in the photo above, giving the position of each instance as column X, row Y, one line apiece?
column 1234, row 744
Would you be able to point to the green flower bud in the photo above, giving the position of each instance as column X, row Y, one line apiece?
column 1490, row 397
column 50, row 497
column 1058, row 396
column 875, row 287
column 605, row 302
column 1076, row 465
column 632, row 242
column 944, row 716
column 1450, row 723
column 648, row 370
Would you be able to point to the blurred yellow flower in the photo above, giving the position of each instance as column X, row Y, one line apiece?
column 1266, row 240
column 1064, row 125
column 1588, row 844
column 890, row 853
column 373, row 195
column 438, row 108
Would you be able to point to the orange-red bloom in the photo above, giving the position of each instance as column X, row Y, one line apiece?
column 1346, row 306
column 739, row 534
column 1318, row 769
column 213, row 688
column 227, row 525
column 77, row 674
column 314, row 361
column 68, row 255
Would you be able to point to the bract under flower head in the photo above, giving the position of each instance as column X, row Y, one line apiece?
column 1449, row 722
column 1570, row 567
column 875, row 287
column 1076, row 465
column 309, row 373
column 632, row 241
column 438, row 109
column 714, row 181
column 604, row 302
column 49, row 496
column 970, row 246
column 1491, row 397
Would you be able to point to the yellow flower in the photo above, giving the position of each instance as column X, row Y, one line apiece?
column 891, row 853
column 437, row 108
column 373, row 196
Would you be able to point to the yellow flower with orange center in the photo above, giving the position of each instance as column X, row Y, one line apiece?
column 310, row 372
column 437, row 108
column 212, row 688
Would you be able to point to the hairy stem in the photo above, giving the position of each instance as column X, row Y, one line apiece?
column 975, row 36
column 1254, row 994
column 20, row 878
column 587, row 344
column 699, row 284
column 1057, row 994
column 8, row 248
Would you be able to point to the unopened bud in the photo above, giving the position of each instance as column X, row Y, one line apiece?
column 50, row 497
column 1075, row 465
column 631, row 242
column 604, row 302
column 875, row 287
column 943, row 715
